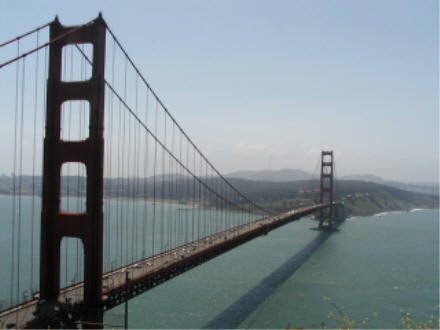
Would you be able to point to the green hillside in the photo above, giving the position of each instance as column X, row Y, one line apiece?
column 360, row 198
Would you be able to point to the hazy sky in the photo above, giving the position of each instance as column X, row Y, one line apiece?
column 268, row 84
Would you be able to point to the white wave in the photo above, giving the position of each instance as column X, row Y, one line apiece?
column 386, row 213
column 415, row 210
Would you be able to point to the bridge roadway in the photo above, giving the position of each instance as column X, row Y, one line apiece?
column 148, row 273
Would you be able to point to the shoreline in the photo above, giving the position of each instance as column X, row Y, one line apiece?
column 192, row 205
column 380, row 214
column 168, row 202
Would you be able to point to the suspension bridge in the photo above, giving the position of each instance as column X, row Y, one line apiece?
column 108, row 196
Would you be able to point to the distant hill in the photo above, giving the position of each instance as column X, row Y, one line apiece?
column 427, row 188
column 285, row 175
column 360, row 198
column 282, row 175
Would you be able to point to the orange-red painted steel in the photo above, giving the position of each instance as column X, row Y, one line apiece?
column 326, row 189
column 56, row 224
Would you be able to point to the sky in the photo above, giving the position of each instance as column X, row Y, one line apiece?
column 269, row 84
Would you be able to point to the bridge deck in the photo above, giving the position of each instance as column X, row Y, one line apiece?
column 147, row 273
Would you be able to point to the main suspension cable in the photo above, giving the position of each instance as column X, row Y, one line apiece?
column 61, row 36
column 179, row 127
column 164, row 147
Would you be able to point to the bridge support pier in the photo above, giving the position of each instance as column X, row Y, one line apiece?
column 326, row 190
column 56, row 224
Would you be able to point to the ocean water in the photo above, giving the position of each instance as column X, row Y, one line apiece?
column 127, row 238
column 380, row 264
column 372, row 267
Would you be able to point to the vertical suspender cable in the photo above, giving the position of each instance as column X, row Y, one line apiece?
column 130, row 217
column 174, row 187
column 119, row 190
column 188, row 194
column 137, row 158
column 162, row 216
column 168, row 197
column 20, row 178
column 154, row 178
column 193, row 197
column 13, row 264
column 199, row 231
column 111, row 202
column 118, row 173
column 126, row 176
column 34, row 147
column 181, row 192
column 146, row 163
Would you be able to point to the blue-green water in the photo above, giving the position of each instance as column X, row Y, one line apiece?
column 128, row 237
column 372, row 265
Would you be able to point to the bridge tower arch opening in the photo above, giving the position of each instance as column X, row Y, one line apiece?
column 56, row 224
column 326, row 189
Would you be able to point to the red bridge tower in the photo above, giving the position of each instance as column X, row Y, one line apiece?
column 55, row 224
column 326, row 189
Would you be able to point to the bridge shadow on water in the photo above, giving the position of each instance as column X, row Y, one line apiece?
column 236, row 313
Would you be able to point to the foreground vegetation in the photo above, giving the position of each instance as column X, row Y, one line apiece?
column 340, row 319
